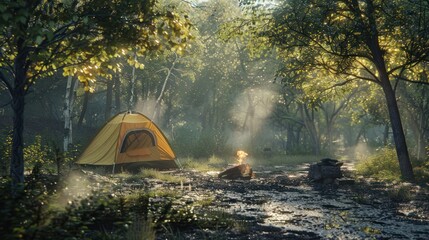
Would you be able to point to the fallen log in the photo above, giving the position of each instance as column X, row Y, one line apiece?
column 242, row 171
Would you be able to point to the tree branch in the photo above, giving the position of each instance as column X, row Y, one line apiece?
column 411, row 81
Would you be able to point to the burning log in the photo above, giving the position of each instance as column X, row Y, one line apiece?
column 240, row 171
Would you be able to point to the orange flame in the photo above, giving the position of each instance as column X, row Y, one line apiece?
column 241, row 156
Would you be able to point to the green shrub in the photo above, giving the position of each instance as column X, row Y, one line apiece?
column 5, row 152
column 383, row 165
column 422, row 173
column 23, row 212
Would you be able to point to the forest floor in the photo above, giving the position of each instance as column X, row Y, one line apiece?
column 281, row 203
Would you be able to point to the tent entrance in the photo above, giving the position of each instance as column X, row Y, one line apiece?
column 138, row 142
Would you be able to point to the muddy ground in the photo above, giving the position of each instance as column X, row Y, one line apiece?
column 281, row 203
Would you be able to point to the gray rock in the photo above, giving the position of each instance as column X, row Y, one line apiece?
column 325, row 171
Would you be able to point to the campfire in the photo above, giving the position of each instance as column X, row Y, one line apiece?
column 241, row 156
column 241, row 170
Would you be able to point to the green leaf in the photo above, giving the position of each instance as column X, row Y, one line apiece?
column 39, row 40
column 3, row 8
column 49, row 35
column 22, row 19
column 6, row 16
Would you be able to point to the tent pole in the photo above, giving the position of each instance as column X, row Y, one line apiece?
column 113, row 169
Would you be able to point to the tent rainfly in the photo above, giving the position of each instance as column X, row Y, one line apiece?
column 129, row 140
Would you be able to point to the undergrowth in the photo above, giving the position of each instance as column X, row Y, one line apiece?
column 101, row 214
column 384, row 165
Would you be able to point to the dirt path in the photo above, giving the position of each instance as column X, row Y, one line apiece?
column 279, row 205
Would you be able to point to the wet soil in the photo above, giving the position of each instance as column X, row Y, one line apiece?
column 281, row 203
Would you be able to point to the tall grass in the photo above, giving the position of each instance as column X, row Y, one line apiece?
column 141, row 229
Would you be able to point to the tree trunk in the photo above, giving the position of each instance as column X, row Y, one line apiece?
column 392, row 106
column 309, row 123
column 117, row 89
column 132, row 86
column 67, row 113
column 84, row 108
column 109, row 95
column 164, row 85
column 386, row 134
column 18, row 103
column 398, row 132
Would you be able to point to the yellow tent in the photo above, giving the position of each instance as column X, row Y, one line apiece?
column 131, row 140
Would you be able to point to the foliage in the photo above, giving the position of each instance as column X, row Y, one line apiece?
column 5, row 152
column 36, row 153
column 93, row 34
column 184, row 139
column 48, row 157
column 23, row 213
column 383, row 164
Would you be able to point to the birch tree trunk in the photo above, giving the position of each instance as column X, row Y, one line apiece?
column 132, row 85
column 68, row 109
column 84, row 108
column 164, row 85
column 117, row 91
column 109, row 97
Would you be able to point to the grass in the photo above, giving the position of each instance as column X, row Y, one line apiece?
column 285, row 160
column 152, row 173
column 216, row 163
column 205, row 202
column 203, row 164
column 141, row 229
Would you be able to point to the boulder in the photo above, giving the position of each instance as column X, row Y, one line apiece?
column 326, row 171
column 242, row 171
